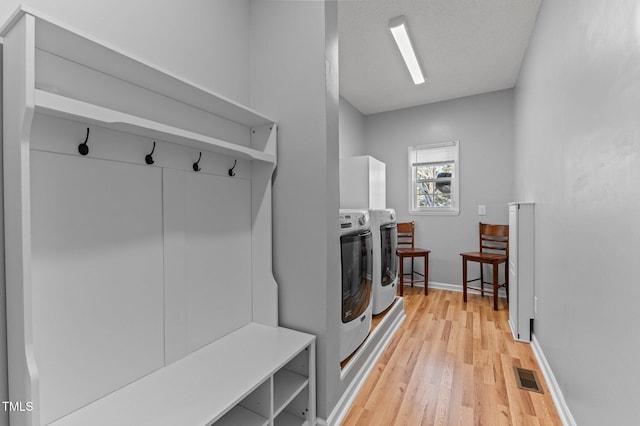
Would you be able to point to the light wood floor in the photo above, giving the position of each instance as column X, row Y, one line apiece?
column 451, row 363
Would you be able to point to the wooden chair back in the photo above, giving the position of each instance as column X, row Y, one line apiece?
column 494, row 238
column 406, row 237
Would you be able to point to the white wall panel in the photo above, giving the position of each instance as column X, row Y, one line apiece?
column 97, row 277
column 4, row 390
column 207, row 258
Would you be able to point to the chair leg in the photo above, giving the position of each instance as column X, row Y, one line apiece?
column 401, row 276
column 464, row 279
column 481, row 279
column 412, row 269
column 426, row 274
column 495, row 286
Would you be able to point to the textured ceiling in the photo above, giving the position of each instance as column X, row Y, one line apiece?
column 465, row 47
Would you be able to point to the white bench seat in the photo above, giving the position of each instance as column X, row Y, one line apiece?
column 200, row 388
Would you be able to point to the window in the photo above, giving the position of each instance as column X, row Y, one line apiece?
column 433, row 179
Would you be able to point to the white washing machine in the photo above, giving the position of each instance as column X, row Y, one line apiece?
column 384, row 228
column 356, row 253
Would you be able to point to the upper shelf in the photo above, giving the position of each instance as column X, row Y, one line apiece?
column 72, row 109
column 60, row 40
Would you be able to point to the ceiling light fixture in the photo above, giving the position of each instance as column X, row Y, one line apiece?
column 398, row 27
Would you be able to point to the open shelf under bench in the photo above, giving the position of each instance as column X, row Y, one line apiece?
column 207, row 384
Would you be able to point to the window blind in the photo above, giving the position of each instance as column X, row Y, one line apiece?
column 429, row 154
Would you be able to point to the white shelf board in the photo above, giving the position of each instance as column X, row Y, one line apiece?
column 288, row 419
column 62, row 40
column 286, row 386
column 241, row 416
column 73, row 109
column 201, row 387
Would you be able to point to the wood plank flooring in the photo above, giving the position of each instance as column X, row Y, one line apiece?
column 451, row 363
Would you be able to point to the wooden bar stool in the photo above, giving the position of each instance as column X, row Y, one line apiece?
column 407, row 250
column 494, row 250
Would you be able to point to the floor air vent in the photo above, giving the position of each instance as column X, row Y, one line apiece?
column 527, row 380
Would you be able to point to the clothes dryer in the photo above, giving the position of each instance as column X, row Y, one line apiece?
column 384, row 229
column 356, row 252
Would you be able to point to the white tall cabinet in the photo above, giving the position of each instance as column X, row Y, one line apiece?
column 138, row 292
column 363, row 183
column 521, row 269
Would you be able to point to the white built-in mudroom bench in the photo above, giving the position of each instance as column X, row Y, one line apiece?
column 138, row 245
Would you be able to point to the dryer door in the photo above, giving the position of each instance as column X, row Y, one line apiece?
column 388, row 258
column 357, row 253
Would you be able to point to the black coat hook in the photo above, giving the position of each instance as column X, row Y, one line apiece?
column 196, row 166
column 231, row 172
column 83, row 148
column 149, row 158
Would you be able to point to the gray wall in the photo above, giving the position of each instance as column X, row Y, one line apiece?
column 294, row 70
column 352, row 143
column 483, row 125
column 578, row 157
column 206, row 42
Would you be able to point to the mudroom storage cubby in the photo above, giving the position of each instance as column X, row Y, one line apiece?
column 138, row 244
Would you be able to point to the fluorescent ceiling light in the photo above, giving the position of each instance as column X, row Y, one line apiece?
column 398, row 27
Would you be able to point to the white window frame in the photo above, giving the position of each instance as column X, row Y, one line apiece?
column 455, row 181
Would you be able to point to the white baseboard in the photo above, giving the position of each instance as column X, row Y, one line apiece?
column 457, row 287
column 554, row 389
column 342, row 407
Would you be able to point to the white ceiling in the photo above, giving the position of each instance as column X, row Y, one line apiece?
column 465, row 47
